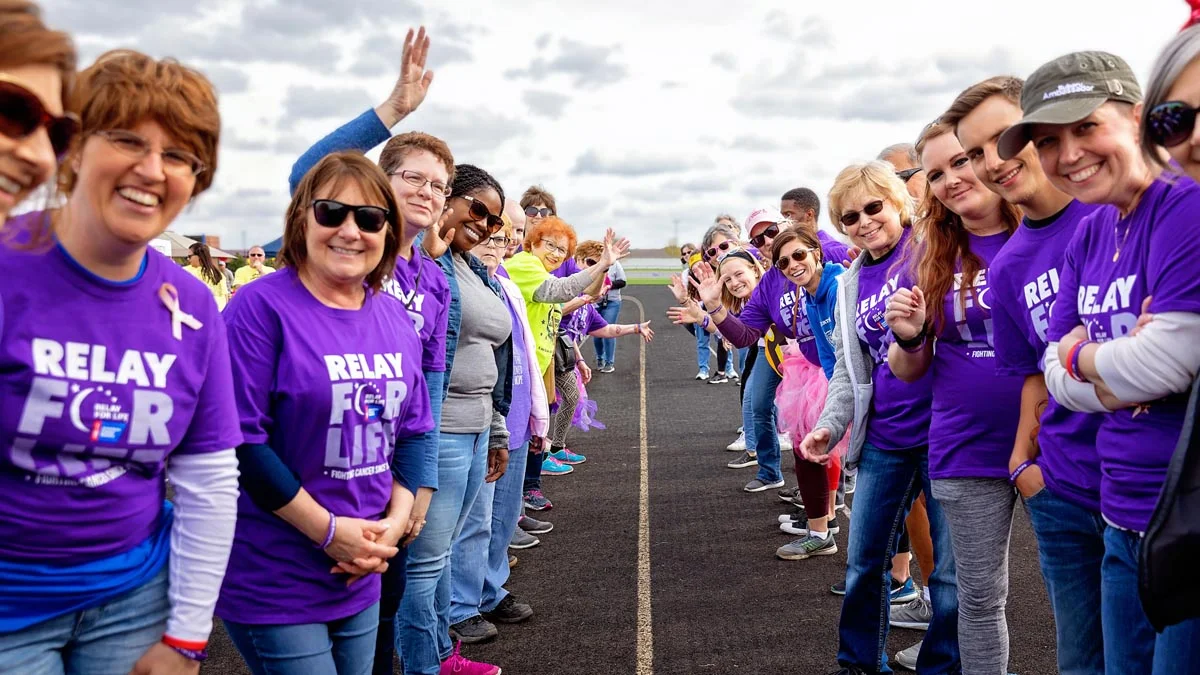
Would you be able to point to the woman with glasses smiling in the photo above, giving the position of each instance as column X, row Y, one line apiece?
column 718, row 241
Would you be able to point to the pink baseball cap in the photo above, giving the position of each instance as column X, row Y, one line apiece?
column 766, row 214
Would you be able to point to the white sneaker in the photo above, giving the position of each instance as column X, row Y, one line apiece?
column 702, row 375
column 785, row 443
column 907, row 658
column 739, row 445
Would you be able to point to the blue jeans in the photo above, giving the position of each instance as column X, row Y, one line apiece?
column 606, row 348
column 479, row 558
column 761, row 394
column 345, row 646
column 103, row 640
column 702, row 352
column 888, row 480
column 1130, row 643
column 422, row 624
column 1071, row 550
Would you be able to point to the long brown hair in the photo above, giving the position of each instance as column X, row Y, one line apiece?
column 805, row 238
column 940, row 241
column 336, row 170
column 210, row 269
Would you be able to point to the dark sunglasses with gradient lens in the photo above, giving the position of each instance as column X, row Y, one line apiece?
column 908, row 173
column 1170, row 123
column 22, row 113
column 479, row 211
column 799, row 255
column 718, row 251
column 761, row 238
column 849, row 218
column 332, row 213
column 535, row 212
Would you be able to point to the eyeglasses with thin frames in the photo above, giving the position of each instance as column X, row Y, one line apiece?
column 175, row 161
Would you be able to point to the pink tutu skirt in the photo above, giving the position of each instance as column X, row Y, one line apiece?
column 801, row 398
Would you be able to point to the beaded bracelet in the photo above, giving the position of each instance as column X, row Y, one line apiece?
column 1012, row 479
column 329, row 535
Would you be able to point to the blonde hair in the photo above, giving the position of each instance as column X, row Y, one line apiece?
column 876, row 178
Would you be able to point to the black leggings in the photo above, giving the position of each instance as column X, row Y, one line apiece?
column 389, row 603
column 751, row 357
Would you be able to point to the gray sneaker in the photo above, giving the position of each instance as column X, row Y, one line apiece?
column 915, row 614
column 851, row 483
column 907, row 658
column 807, row 547
column 534, row 526
column 473, row 630
column 791, row 495
column 522, row 539
column 757, row 485
column 744, row 460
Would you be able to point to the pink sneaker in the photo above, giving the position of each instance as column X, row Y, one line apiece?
column 458, row 665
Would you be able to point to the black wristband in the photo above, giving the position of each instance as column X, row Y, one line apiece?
column 911, row 343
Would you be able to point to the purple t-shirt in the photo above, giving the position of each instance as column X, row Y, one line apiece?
column 521, row 406
column 900, row 411
column 1024, row 278
column 773, row 303
column 422, row 287
column 330, row 391
column 975, row 411
column 95, row 394
column 833, row 250
column 1105, row 296
column 566, row 269
column 581, row 322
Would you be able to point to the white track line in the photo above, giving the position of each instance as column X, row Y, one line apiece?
column 645, row 625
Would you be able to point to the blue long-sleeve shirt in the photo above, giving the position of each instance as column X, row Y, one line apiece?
column 822, row 310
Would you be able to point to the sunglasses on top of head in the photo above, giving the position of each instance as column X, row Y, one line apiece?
column 479, row 211
column 719, row 250
column 535, row 212
column 22, row 113
column 1170, row 123
column 849, row 218
column 799, row 255
column 332, row 213
column 761, row 238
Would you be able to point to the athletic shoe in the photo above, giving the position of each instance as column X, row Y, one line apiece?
column 785, row 443
column 851, row 483
column 565, row 456
column 849, row 670
column 839, row 503
column 536, row 501
column 915, row 615
column 703, row 374
column 807, row 547
column 457, row 664
column 534, row 526
column 510, row 611
column 903, row 591
column 746, row 459
column 791, row 495
column 473, row 630
column 739, row 445
column 740, row 430
column 839, row 588
column 608, row 369
column 522, row 540
column 800, row 527
column 907, row 658
column 718, row 378
column 733, row 375
column 512, row 561
column 757, row 485
column 797, row 513
column 553, row 467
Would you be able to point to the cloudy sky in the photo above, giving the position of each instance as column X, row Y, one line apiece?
column 647, row 116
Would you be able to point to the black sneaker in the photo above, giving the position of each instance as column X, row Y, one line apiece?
column 718, row 378
column 799, row 526
column 791, row 495
column 510, row 611
column 473, row 630
column 839, row 588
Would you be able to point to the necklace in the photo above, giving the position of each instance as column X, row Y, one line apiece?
column 1121, row 243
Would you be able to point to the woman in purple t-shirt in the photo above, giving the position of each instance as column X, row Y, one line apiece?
column 962, row 229
column 1123, row 262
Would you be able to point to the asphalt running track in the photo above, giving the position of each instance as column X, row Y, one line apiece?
column 711, row 598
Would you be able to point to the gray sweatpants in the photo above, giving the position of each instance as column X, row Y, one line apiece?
column 980, row 512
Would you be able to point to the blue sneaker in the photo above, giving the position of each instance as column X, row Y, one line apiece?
column 903, row 592
column 567, row 457
column 553, row 467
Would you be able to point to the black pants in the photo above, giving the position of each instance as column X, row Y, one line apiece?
column 389, row 603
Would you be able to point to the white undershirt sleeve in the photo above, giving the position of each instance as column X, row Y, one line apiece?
column 1070, row 393
column 1162, row 359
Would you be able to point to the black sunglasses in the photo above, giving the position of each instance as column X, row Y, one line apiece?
column 1170, row 123
column 849, row 218
column 785, row 261
column 22, row 113
column 908, row 173
column 535, row 212
column 331, row 213
column 590, row 262
column 771, row 232
column 478, row 211
column 719, row 248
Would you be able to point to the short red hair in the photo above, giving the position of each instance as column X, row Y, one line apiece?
column 124, row 88
column 551, row 226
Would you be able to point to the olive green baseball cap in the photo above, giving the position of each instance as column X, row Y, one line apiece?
column 1067, row 90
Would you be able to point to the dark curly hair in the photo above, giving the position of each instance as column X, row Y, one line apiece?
column 470, row 179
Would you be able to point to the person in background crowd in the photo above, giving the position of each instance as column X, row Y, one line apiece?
column 941, row 298
column 609, row 306
column 907, row 164
column 1059, row 480
column 802, row 206
column 717, row 242
column 201, row 265
column 227, row 274
column 517, row 218
column 888, row 439
column 98, row 572
column 480, row 554
column 1124, row 261
column 37, row 67
column 256, row 266
column 328, row 472
column 538, row 205
column 730, row 222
